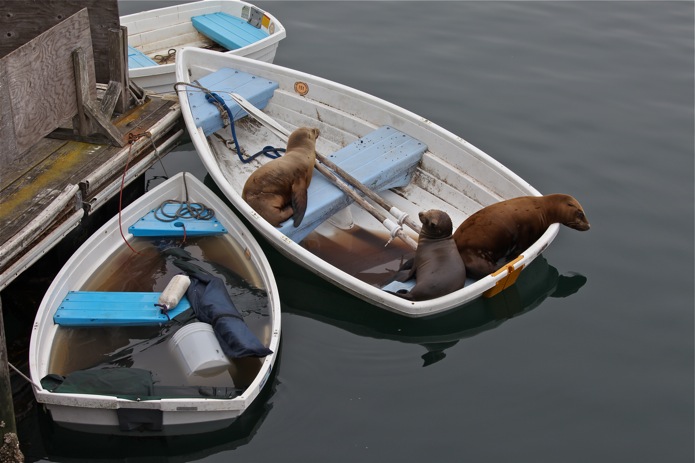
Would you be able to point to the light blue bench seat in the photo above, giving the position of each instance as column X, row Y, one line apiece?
column 255, row 89
column 227, row 30
column 104, row 308
column 137, row 59
column 383, row 159
column 151, row 225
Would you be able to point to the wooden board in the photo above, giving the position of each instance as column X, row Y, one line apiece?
column 21, row 21
column 383, row 159
column 177, row 219
column 227, row 30
column 67, row 163
column 38, row 88
column 104, row 308
column 223, row 81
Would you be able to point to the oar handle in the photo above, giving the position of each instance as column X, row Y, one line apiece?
column 345, row 188
column 400, row 215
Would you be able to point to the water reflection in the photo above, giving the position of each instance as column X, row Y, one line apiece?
column 307, row 295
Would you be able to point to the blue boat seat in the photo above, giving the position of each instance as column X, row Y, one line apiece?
column 256, row 90
column 151, row 225
column 383, row 159
column 227, row 30
column 104, row 308
column 137, row 59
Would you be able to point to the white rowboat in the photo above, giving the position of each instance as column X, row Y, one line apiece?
column 155, row 36
column 180, row 401
column 421, row 166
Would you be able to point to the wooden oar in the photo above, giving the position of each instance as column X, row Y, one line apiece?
column 395, row 229
column 394, row 211
column 283, row 133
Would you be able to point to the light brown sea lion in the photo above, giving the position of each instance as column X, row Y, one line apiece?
column 278, row 189
column 437, row 265
column 498, row 233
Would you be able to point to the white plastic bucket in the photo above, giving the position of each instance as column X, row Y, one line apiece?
column 198, row 351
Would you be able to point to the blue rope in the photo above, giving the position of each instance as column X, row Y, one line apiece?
column 268, row 151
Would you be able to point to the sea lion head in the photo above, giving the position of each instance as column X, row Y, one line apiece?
column 570, row 213
column 436, row 224
column 301, row 135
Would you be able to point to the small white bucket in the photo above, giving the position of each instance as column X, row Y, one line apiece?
column 198, row 351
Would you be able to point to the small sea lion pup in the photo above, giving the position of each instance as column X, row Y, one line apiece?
column 498, row 233
column 437, row 265
column 278, row 189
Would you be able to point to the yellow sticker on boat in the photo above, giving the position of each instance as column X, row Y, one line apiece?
column 301, row 87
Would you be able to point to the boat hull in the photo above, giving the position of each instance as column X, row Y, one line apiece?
column 453, row 175
column 158, row 31
column 99, row 413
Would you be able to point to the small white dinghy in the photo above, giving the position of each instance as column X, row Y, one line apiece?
column 233, row 26
column 411, row 162
column 105, row 358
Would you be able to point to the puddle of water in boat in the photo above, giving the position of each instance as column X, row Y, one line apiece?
column 148, row 347
column 359, row 252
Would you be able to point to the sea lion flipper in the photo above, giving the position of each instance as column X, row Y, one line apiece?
column 299, row 199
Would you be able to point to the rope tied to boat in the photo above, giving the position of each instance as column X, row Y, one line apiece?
column 186, row 210
column 228, row 120
column 164, row 59
column 132, row 138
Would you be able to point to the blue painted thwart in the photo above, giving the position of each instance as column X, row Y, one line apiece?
column 256, row 90
column 150, row 225
column 137, row 59
column 227, row 30
column 103, row 308
column 383, row 159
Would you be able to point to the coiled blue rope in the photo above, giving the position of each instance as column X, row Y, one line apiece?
column 268, row 151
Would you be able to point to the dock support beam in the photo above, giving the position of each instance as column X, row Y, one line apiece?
column 9, row 446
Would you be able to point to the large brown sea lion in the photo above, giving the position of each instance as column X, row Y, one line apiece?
column 437, row 266
column 278, row 189
column 498, row 233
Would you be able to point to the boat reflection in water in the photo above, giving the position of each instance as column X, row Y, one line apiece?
column 329, row 304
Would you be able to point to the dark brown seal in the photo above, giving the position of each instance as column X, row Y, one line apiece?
column 437, row 265
column 500, row 232
column 278, row 189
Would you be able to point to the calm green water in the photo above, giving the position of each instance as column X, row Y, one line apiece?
column 590, row 357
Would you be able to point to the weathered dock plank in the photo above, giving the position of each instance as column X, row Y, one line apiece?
column 76, row 177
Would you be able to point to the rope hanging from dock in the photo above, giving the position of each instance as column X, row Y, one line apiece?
column 132, row 138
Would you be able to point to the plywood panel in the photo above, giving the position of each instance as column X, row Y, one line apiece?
column 39, row 79
column 22, row 21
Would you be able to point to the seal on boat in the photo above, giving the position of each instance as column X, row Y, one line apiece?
column 278, row 189
column 498, row 233
column 437, row 265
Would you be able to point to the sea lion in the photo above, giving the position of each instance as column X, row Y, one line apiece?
column 498, row 233
column 278, row 189
column 437, row 265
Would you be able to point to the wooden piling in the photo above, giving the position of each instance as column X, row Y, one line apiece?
column 9, row 445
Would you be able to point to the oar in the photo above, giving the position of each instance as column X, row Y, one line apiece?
column 283, row 133
column 395, row 229
column 402, row 217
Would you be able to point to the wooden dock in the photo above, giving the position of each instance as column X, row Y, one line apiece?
column 70, row 121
